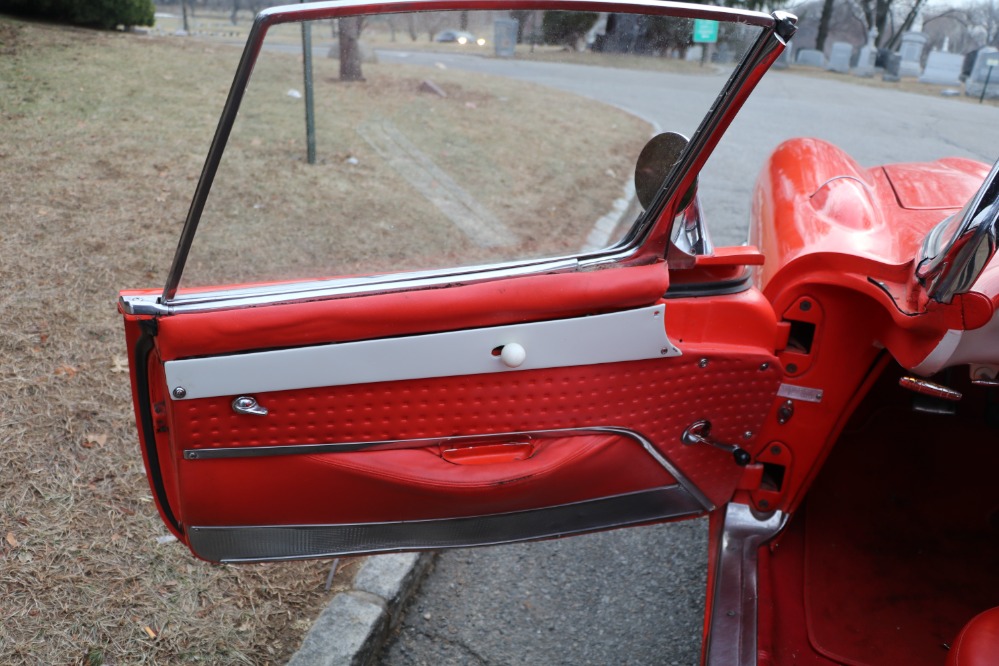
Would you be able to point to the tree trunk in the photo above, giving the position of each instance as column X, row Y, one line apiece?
column 827, row 10
column 881, row 12
column 906, row 24
column 234, row 17
column 183, row 10
column 350, row 51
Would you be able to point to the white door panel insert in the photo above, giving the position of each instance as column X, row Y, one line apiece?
column 609, row 338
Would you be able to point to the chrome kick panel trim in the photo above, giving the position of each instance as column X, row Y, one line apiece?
column 631, row 335
column 522, row 436
column 733, row 622
column 292, row 542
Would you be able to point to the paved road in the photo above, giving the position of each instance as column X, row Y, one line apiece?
column 635, row 596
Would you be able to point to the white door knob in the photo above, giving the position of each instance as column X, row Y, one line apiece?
column 513, row 355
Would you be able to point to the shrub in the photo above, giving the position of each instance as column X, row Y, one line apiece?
column 106, row 14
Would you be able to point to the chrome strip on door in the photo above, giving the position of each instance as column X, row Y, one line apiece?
column 734, row 610
column 524, row 436
column 290, row 542
column 631, row 335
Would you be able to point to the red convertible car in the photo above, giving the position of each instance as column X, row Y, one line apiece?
column 462, row 324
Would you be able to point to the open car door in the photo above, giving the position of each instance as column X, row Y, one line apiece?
column 479, row 369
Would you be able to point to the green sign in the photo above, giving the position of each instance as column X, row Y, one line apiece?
column 705, row 31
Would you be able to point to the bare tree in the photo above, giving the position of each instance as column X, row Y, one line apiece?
column 350, row 51
column 827, row 10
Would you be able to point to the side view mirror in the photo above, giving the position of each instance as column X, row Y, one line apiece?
column 654, row 164
column 956, row 252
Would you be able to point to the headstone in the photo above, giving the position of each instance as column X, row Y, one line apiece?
column 943, row 69
column 839, row 57
column 988, row 59
column 695, row 53
column 785, row 59
column 912, row 54
column 868, row 55
column 893, row 65
column 505, row 34
column 811, row 58
column 429, row 86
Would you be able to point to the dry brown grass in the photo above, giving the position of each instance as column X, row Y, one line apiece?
column 102, row 137
column 97, row 166
column 536, row 158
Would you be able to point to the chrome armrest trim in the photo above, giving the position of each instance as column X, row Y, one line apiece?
column 526, row 435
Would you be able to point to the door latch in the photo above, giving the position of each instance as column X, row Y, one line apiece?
column 246, row 404
column 699, row 432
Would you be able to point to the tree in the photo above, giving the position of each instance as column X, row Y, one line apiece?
column 566, row 28
column 350, row 51
column 827, row 10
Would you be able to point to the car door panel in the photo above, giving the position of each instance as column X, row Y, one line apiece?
column 592, row 441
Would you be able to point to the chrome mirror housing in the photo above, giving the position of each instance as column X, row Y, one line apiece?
column 956, row 252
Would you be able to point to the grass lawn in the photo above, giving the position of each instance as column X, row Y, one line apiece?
column 102, row 137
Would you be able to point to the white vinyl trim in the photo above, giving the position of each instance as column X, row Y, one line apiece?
column 610, row 338
column 937, row 359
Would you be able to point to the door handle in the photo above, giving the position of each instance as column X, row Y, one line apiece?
column 699, row 432
column 246, row 404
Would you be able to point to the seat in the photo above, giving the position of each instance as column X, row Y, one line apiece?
column 978, row 642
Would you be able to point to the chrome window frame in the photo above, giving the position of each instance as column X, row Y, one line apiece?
column 776, row 31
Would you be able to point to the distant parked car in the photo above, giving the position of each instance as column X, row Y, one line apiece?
column 459, row 36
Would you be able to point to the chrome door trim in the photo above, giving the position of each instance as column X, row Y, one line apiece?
column 260, row 543
column 731, row 639
column 519, row 436
column 778, row 28
column 248, row 297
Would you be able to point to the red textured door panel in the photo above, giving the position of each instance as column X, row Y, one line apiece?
column 438, row 459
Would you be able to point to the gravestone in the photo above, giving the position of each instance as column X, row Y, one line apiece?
column 912, row 54
column 839, row 57
column 943, row 69
column 987, row 57
column 784, row 60
column 811, row 58
column 893, row 64
column 868, row 55
column 505, row 34
column 695, row 53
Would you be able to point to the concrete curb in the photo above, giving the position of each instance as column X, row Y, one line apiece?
column 353, row 628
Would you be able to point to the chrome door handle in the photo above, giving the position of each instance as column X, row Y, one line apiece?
column 699, row 432
column 246, row 404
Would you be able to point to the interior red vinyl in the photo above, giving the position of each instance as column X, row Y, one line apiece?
column 508, row 301
column 978, row 642
column 657, row 398
column 727, row 374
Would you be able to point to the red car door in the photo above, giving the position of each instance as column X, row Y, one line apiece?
column 451, row 407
